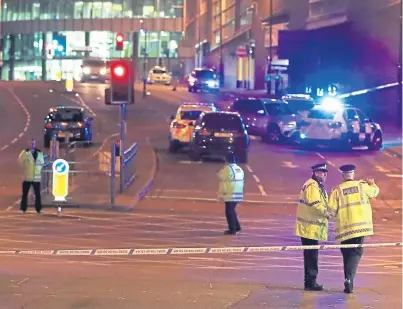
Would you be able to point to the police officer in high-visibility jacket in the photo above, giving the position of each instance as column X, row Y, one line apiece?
column 31, row 161
column 312, row 222
column 231, row 186
column 349, row 204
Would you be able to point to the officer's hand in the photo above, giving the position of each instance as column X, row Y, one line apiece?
column 370, row 181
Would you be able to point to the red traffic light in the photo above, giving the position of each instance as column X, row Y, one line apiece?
column 119, row 38
column 119, row 71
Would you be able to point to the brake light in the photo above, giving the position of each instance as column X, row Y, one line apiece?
column 49, row 126
column 178, row 125
column 335, row 125
column 80, row 124
column 204, row 132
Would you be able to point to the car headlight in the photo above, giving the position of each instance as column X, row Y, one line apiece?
column 212, row 83
column 102, row 71
column 86, row 70
column 292, row 124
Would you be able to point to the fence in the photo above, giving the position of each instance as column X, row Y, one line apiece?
column 90, row 181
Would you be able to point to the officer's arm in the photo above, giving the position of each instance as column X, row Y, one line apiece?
column 40, row 160
column 21, row 158
column 225, row 173
column 333, row 205
column 313, row 198
column 371, row 191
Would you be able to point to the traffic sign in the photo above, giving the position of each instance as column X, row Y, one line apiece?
column 60, row 184
column 241, row 52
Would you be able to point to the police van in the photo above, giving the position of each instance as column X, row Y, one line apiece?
column 183, row 123
column 335, row 124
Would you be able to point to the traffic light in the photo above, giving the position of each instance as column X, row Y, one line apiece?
column 119, row 41
column 121, row 91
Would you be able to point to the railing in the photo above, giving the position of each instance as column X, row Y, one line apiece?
column 128, row 168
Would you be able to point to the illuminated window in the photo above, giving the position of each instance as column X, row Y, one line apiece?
column 87, row 9
column 36, row 10
column 78, row 9
column 97, row 10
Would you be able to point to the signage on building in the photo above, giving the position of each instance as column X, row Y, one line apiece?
column 241, row 52
column 81, row 48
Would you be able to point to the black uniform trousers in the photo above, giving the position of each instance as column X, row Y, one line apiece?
column 232, row 217
column 351, row 257
column 26, row 185
column 310, row 261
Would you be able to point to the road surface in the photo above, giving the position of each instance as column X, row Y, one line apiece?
column 180, row 211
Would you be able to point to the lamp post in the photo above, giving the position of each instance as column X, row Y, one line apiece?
column 221, row 66
column 399, row 69
column 269, row 83
column 144, row 60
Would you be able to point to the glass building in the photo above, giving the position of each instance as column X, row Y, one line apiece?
column 41, row 38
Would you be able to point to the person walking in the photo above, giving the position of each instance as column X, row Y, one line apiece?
column 350, row 204
column 230, row 190
column 312, row 222
column 31, row 161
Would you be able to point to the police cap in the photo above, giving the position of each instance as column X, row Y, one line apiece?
column 347, row 168
column 322, row 167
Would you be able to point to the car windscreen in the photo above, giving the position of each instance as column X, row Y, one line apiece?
column 224, row 122
column 67, row 115
column 94, row 63
column 190, row 115
column 158, row 71
column 278, row 109
column 321, row 114
column 300, row 105
column 206, row 74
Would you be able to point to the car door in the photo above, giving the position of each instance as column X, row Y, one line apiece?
column 365, row 126
column 352, row 121
column 251, row 112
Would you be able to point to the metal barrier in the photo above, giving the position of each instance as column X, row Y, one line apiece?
column 128, row 167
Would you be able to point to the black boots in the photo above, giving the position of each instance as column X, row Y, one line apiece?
column 348, row 286
column 313, row 286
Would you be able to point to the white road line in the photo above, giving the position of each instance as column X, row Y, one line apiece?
column 4, row 147
column 331, row 163
column 394, row 175
column 248, row 168
column 22, row 281
column 388, row 154
column 262, row 190
column 202, row 199
column 320, row 156
column 14, row 140
column 256, row 178
column 20, row 135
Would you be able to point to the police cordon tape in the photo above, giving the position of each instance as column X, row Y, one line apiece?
column 177, row 251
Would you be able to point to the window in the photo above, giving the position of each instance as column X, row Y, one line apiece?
column 158, row 71
column 300, row 105
column 362, row 117
column 190, row 115
column 67, row 115
column 321, row 114
column 278, row 109
column 248, row 106
column 205, row 74
column 351, row 115
column 78, row 9
column 216, row 121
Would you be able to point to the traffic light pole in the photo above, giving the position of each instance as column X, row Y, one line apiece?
column 122, row 146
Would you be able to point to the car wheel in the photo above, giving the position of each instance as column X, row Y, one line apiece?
column 46, row 142
column 243, row 157
column 194, row 156
column 173, row 146
column 273, row 134
column 376, row 142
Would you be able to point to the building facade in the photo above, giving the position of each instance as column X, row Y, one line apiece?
column 44, row 37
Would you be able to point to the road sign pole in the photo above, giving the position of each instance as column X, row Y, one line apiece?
column 122, row 147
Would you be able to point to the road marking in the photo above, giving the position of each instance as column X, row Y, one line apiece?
column 388, row 154
column 320, row 156
column 331, row 163
column 189, row 162
column 27, row 122
column 256, row 178
column 381, row 169
column 248, row 168
column 289, row 164
column 262, row 190
column 22, row 281
column 203, row 199
column 394, row 175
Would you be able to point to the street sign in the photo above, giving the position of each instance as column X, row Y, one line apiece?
column 241, row 52
column 60, row 184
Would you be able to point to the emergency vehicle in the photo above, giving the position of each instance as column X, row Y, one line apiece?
column 333, row 123
column 183, row 123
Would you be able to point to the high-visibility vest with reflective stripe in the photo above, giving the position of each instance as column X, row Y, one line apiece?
column 349, row 203
column 31, row 168
column 231, row 183
column 312, row 222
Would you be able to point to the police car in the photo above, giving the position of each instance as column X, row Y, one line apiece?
column 335, row 124
column 182, row 125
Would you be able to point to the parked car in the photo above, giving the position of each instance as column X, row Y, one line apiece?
column 203, row 79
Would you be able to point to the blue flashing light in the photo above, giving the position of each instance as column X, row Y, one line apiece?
column 302, row 135
column 331, row 104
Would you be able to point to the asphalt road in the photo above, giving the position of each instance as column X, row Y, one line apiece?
column 180, row 211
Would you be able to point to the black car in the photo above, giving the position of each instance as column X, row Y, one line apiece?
column 217, row 134
column 67, row 121
column 203, row 79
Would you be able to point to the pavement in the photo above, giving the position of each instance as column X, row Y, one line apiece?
column 180, row 210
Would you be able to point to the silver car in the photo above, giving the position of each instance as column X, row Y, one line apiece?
column 271, row 119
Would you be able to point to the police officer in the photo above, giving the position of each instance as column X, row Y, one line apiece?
column 312, row 222
column 231, row 186
column 31, row 161
column 349, row 203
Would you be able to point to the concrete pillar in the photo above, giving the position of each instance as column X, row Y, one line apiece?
column 11, row 56
column 44, row 57
column 87, row 43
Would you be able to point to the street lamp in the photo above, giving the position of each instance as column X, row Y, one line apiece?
column 221, row 66
column 144, row 60
column 399, row 68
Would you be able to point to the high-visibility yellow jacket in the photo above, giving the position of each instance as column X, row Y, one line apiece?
column 349, row 204
column 312, row 214
column 31, row 168
column 231, row 185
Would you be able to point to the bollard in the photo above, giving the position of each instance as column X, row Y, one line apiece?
column 69, row 84
column 112, row 178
